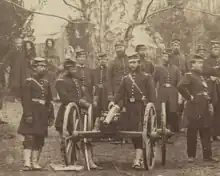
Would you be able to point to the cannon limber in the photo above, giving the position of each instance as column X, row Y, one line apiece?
column 78, row 129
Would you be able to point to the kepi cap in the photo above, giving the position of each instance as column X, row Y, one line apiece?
column 200, row 47
column 215, row 44
column 196, row 57
column 69, row 63
column 120, row 43
column 102, row 54
column 138, row 47
column 167, row 51
column 39, row 61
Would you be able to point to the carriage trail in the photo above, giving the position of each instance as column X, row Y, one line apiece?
column 114, row 159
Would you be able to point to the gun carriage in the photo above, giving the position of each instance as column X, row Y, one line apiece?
column 78, row 129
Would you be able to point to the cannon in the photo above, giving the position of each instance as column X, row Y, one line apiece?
column 82, row 131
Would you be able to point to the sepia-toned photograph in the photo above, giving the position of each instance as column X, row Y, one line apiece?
column 110, row 88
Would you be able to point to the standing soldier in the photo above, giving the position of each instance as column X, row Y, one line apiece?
column 37, row 114
column 138, row 88
column 211, row 72
column 69, row 88
column 146, row 65
column 201, row 50
column 116, row 70
column 198, row 110
column 167, row 77
column 100, row 99
column 178, row 58
column 84, row 73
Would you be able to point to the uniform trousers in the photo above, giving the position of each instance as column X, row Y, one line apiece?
column 205, row 134
column 33, row 142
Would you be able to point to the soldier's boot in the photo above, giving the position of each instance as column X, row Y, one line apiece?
column 92, row 164
column 35, row 158
column 97, row 124
column 138, row 161
column 27, row 160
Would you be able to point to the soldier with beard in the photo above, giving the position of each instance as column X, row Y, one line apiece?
column 178, row 58
column 138, row 88
column 201, row 50
column 167, row 77
column 116, row 70
column 146, row 65
column 211, row 71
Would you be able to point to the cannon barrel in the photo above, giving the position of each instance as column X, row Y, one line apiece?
column 111, row 114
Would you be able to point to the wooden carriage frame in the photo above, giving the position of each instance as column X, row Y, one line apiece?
column 83, row 130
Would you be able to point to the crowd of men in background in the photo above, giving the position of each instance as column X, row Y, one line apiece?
column 177, row 81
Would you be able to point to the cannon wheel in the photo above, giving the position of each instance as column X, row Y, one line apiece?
column 163, row 127
column 149, row 125
column 87, row 126
column 71, row 149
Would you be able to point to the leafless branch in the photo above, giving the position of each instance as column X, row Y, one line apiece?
column 39, row 13
column 75, row 7
column 146, row 11
column 202, row 11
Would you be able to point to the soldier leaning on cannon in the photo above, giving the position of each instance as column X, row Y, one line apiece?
column 37, row 115
column 138, row 89
column 167, row 76
column 70, row 89
column 211, row 72
column 100, row 99
column 198, row 110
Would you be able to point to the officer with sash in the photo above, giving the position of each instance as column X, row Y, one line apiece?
column 138, row 89
column 37, row 115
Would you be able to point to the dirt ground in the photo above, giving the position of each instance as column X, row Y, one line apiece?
column 116, row 160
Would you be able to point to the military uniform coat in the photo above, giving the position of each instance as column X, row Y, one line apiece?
column 167, row 79
column 180, row 62
column 100, row 83
column 134, row 105
column 117, row 69
column 197, row 110
column 69, row 90
column 42, row 112
column 147, row 66
column 86, row 76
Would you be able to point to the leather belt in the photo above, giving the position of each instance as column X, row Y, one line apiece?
column 38, row 100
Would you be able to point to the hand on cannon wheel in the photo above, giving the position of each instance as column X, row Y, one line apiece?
column 29, row 120
column 83, row 103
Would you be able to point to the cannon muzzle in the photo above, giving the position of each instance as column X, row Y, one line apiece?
column 111, row 114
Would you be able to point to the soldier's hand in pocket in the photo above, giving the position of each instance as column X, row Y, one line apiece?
column 29, row 119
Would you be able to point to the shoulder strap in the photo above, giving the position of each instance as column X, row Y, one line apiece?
column 34, row 80
column 135, row 84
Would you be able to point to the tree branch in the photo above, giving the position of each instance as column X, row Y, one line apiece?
column 202, row 11
column 39, row 13
column 146, row 11
column 70, row 5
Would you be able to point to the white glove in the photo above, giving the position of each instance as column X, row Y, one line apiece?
column 110, row 105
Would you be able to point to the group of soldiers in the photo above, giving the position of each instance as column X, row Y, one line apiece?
column 129, row 81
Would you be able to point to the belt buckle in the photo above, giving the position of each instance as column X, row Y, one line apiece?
column 132, row 99
column 167, row 85
column 100, row 85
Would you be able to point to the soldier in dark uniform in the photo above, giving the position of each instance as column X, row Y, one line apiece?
column 167, row 76
column 117, row 68
column 138, row 88
column 85, row 73
column 198, row 110
column 211, row 71
column 146, row 65
column 37, row 114
column 201, row 50
column 178, row 59
column 70, row 89
column 100, row 99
